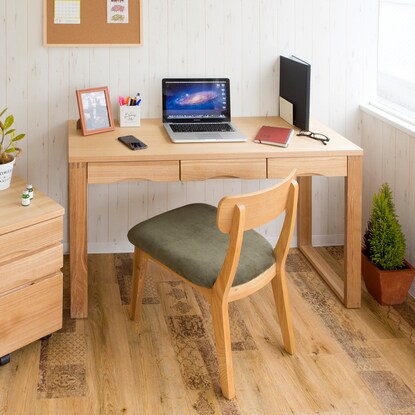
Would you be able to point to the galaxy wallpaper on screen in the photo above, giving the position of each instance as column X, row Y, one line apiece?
column 201, row 100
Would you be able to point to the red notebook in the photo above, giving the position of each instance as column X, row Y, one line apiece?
column 276, row 136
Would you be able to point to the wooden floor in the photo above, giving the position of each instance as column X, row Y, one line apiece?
column 347, row 361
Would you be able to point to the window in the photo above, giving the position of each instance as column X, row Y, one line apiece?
column 396, row 58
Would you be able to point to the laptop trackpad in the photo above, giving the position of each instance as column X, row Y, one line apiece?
column 209, row 136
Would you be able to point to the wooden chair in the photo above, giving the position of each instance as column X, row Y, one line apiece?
column 226, row 262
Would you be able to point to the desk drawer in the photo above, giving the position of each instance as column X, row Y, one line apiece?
column 31, row 238
column 307, row 166
column 209, row 169
column 156, row 171
column 30, row 313
column 30, row 268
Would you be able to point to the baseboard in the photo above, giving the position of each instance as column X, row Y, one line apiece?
column 105, row 247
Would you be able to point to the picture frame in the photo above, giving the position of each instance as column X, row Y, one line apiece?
column 95, row 110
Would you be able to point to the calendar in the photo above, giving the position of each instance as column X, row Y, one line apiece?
column 67, row 12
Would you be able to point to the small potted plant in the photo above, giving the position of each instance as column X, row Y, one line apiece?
column 387, row 275
column 8, row 149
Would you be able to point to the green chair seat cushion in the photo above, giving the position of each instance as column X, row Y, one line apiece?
column 188, row 242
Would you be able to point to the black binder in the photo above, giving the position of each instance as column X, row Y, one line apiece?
column 295, row 75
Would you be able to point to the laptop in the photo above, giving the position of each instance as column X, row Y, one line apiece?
column 198, row 110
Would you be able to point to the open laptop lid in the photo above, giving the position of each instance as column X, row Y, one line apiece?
column 196, row 100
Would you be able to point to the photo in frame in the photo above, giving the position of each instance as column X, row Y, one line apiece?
column 95, row 110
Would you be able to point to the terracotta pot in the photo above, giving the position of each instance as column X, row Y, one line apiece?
column 387, row 287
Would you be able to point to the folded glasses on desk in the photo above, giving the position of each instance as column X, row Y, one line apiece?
column 315, row 136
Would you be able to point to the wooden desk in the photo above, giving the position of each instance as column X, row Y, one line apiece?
column 163, row 161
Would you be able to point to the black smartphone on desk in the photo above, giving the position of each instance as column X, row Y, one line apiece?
column 133, row 143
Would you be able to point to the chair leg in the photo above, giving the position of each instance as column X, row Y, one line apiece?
column 139, row 273
column 280, row 290
column 220, row 317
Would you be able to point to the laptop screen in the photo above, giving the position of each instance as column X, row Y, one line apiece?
column 196, row 100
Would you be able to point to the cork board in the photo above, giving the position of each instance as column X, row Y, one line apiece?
column 93, row 29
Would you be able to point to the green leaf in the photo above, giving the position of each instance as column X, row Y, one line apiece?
column 10, row 131
column 385, row 241
column 1, row 125
column 18, row 137
column 8, row 122
column 1, row 113
column 10, row 150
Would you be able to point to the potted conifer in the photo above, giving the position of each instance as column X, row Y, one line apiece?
column 387, row 275
column 8, row 149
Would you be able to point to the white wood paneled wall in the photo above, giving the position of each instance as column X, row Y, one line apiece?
column 389, row 157
column 240, row 39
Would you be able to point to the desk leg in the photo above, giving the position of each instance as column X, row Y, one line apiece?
column 348, row 290
column 78, row 239
column 304, row 223
column 353, row 232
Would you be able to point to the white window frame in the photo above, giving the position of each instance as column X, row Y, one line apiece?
column 393, row 111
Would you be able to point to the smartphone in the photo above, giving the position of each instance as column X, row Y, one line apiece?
column 133, row 143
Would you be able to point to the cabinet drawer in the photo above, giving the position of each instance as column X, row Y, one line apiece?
column 30, row 313
column 308, row 166
column 29, row 268
column 156, row 171
column 209, row 169
column 31, row 238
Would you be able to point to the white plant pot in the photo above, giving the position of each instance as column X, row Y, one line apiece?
column 6, row 171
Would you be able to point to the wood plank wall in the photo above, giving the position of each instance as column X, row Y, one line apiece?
column 241, row 39
column 389, row 157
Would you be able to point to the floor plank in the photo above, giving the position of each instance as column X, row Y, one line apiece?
column 347, row 362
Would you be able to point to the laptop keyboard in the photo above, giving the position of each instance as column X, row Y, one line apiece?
column 198, row 128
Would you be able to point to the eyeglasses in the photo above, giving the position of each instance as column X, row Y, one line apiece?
column 315, row 136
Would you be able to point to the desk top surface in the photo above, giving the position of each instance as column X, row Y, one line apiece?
column 105, row 147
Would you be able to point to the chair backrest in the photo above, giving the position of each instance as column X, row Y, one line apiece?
column 260, row 207
column 237, row 214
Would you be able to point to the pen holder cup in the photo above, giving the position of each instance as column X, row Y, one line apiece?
column 129, row 116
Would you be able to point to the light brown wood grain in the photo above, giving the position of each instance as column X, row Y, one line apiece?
column 161, row 171
column 107, row 331
column 15, row 216
column 353, row 232
column 161, row 148
column 305, row 223
column 113, row 162
column 26, row 240
column 316, row 166
column 209, row 169
column 17, row 386
column 235, row 215
column 324, row 269
column 141, row 358
column 139, row 271
column 28, row 268
column 31, row 256
column 78, row 239
column 30, row 313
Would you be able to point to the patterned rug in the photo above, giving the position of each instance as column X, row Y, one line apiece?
column 62, row 370
column 62, row 366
